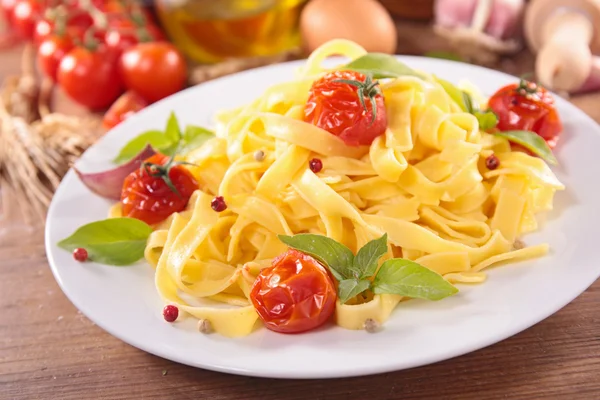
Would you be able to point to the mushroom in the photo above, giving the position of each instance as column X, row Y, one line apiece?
column 480, row 30
column 565, row 34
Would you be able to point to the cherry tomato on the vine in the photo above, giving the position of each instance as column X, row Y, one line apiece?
column 157, row 190
column 527, row 106
column 7, row 7
column 90, row 77
column 337, row 107
column 43, row 29
column 25, row 15
column 154, row 69
column 51, row 52
column 128, row 104
column 295, row 294
column 76, row 24
column 122, row 38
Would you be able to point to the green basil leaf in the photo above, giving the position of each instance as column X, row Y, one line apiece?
column 407, row 278
column 487, row 119
column 333, row 254
column 468, row 102
column 348, row 288
column 194, row 137
column 532, row 142
column 154, row 138
column 444, row 55
column 113, row 241
column 170, row 149
column 366, row 260
column 455, row 93
column 380, row 66
column 173, row 131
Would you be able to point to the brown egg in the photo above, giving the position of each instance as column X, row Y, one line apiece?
column 365, row 22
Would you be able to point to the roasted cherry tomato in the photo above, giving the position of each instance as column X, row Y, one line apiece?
column 341, row 103
column 527, row 106
column 25, row 15
column 158, row 189
column 154, row 70
column 128, row 104
column 295, row 294
column 51, row 52
column 90, row 77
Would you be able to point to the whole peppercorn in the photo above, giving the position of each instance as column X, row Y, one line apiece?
column 170, row 313
column 218, row 204
column 492, row 162
column 315, row 165
column 80, row 254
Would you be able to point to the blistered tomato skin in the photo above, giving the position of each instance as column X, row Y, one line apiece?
column 150, row 199
column 527, row 107
column 336, row 108
column 296, row 294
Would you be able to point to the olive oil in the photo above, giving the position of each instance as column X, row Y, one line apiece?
column 210, row 31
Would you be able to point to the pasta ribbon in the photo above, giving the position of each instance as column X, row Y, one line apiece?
column 423, row 182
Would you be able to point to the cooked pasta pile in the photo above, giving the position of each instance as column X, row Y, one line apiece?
column 423, row 182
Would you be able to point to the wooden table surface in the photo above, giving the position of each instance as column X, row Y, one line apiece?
column 49, row 350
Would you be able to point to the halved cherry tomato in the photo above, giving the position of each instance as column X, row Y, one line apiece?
column 337, row 108
column 148, row 193
column 295, row 294
column 51, row 52
column 154, row 70
column 25, row 15
column 128, row 104
column 527, row 106
column 90, row 77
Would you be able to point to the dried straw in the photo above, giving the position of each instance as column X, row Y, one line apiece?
column 36, row 146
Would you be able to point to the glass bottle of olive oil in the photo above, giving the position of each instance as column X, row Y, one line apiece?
column 209, row 31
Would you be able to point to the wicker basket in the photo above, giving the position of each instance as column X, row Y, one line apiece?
column 421, row 10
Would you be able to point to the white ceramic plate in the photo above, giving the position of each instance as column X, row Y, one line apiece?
column 123, row 300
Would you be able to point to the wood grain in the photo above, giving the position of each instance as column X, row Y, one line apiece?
column 48, row 350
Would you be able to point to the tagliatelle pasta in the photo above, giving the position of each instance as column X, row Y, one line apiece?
column 424, row 183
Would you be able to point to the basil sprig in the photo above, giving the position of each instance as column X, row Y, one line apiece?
column 487, row 119
column 380, row 66
column 359, row 273
column 532, row 142
column 444, row 55
column 113, row 241
column 169, row 141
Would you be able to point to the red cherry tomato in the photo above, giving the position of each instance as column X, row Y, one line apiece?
column 25, row 15
column 154, row 70
column 77, row 23
column 120, row 39
column 128, row 104
column 90, row 77
column 43, row 29
column 336, row 108
column 527, row 106
column 294, row 295
column 51, row 52
column 7, row 8
column 147, row 196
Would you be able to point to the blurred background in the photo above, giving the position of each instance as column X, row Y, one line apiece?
column 72, row 69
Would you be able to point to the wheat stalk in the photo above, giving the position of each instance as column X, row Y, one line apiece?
column 37, row 146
